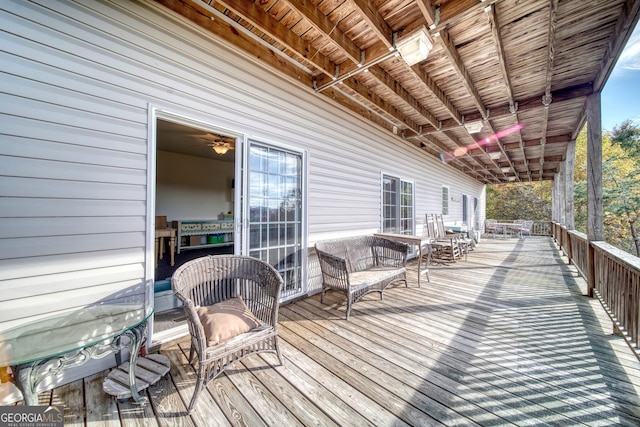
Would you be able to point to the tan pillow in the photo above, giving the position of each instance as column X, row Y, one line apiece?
column 225, row 320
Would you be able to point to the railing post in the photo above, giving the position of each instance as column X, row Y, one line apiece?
column 591, row 270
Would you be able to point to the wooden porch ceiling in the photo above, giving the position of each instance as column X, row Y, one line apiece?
column 524, row 69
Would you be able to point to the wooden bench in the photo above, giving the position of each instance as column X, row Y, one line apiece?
column 359, row 265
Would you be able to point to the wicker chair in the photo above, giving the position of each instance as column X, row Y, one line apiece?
column 210, row 286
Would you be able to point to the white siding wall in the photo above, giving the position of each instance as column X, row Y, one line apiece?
column 78, row 80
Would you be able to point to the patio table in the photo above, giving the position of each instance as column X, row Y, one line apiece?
column 44, row 348
column 419, row 241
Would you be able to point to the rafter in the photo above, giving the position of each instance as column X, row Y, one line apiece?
column 547, row 98
column 383, row 77
column 375, row 21
column 455, row 11
column 560, row 96
column 460, row 162
column 461, row 70
column 437, row 92
column 369, row 96
column 254, row 14
column 502, row 61
column 626, row 20
column 321, row 23
column 453, row 139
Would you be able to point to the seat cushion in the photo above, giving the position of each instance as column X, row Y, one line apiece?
column 372, row 276
column 225, row 320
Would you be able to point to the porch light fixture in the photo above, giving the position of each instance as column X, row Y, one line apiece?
column 495, row 155
column 415, row 47
column 473, row 127
column 220, row 149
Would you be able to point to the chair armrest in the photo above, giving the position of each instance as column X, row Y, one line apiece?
column 193, row 321
column 335, row 272
column 390, row 253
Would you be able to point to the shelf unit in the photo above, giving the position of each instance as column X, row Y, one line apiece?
column 198, row 234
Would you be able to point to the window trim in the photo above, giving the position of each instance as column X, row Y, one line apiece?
column 400, row 219
column 446, row 208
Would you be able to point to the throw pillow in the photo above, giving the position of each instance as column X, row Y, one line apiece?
column 225, row 320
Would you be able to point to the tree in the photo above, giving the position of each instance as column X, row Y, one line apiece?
column 620, row 186
column 624, row 195
column 530, row 200
column 627, row 136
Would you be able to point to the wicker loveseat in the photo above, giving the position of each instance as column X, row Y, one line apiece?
column 359, row 265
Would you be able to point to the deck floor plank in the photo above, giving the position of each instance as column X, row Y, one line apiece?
column 505, row 338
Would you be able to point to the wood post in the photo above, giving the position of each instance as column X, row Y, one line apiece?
column 594, row 183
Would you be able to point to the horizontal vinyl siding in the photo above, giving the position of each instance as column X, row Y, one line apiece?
column 73, row 171
column 74, row 143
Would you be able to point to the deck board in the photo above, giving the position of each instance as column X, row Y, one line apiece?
column 505, row 338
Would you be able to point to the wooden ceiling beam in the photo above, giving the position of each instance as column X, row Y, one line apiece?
column 265, row 22
column 375, row 21
column 553, row 23
column 490, row 11
column 383, row 77
column 466, row 154
column 452, row 12
column 627, row 19
column 200, row 14
column 428, row 11
column 369, row 96
column 505, row 155
column 432, row 87
column 492, row 15
column 559, row 96
column 431, row 15
column 461, row 70
column 323, row 24
column 447, row 157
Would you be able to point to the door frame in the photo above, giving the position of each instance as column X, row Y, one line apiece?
column 242, row 172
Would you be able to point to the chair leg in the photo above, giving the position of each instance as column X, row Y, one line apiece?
column 276, row 344
column 198, row 388
column 349, row 302
column 192, row 350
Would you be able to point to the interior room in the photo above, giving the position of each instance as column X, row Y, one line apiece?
column 195, row 171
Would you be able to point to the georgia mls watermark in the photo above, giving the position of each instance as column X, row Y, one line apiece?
column 32, row 416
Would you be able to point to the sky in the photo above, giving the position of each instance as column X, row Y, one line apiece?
column 620, row 97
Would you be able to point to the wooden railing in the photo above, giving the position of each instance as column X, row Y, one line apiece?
column 541, row 228
column 615, row 277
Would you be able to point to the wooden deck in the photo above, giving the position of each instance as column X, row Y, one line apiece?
column 504, row 338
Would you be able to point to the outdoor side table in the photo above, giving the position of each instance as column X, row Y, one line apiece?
column 46, row 347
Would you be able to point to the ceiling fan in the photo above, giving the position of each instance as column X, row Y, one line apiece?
column 219, row 144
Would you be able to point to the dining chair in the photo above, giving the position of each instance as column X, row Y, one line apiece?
column 492, row 227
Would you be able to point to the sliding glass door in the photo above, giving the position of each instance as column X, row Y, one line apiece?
column 274, row 212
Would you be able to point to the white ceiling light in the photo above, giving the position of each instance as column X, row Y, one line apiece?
column 473, row 127
column 220, row 149
column 415, row 47
column 495, row 155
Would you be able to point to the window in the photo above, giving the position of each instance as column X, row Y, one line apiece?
column 445, row 200
column 397, row 205
column 465, row 210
